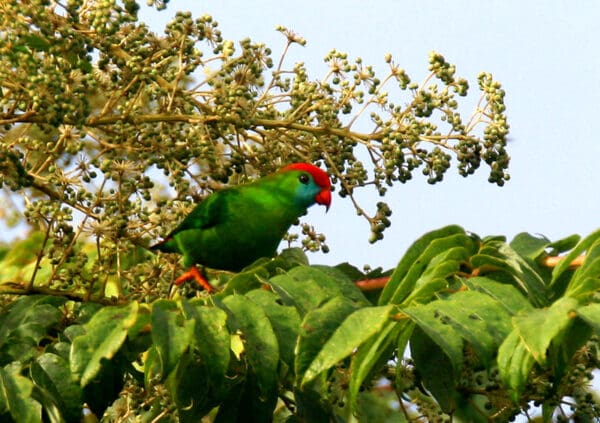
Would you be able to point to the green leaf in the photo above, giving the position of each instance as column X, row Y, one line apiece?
column 22, row 253
column 446, row 336
column 435, row 277
column 591, row 315
column 580, row 248
column 310, row 406
column 15, row 395
column 171, row 334
column 260, row 346
column 190, row 387
column 586, row 279
column 284, row 319
column 303, row 295
column 514, row 363
column 564, row 244
column 51, row 373
column 435, row 369
column 529, row 246
column 500, row 256
column 27, row 320
column 243, row 282
column 294, row 256
column 210, row 338
column 198, row 384
column 36, row 42
column 307, row 287
column 539, row 327
column 419, row 257
column 406, row 328
column 241, row 405
column 152, row 367
column 317, row 327
column 396, row 288
column 334, row 279
column 104, row 335
column 476, row 317
column 375, row 352
column 506, row 295
column 353, row 332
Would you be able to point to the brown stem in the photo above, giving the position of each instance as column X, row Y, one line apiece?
column 552, row 261
column 29, row 286
column 372, row 284
column 15, row 288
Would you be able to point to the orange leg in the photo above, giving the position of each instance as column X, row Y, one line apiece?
column 194, row 274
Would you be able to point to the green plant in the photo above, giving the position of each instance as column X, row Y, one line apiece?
column 109, row 130
column 490, row 330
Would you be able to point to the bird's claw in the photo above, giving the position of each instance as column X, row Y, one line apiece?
column 196, row 275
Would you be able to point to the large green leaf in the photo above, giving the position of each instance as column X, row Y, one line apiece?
column 24, row 323
column 334, row 279
column 15, row 396
column 376, row 351
column 210, row 338
column 260, row 347
column 529, row 246
column 506, row 295
column 435, row 276
column 586, row 279
column 243, row 282
column 284, row 319
column 353, row 332
column 446, row 336
column 435, row 369
column 416, row 259
column 591, row 315
column 51, row 373
column 498, row 256
column 307, row 287
column 514, row 363
column 192, row 389
column 198, row 383
column 310, row 406
column 171, row 334
column 476, row 317
column 104, row 335
column 579, row 249
column 539, row 327
column 317, row 327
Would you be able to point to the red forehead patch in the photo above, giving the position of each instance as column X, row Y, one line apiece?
column 320, row 177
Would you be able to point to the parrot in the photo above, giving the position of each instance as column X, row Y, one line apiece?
column 235, row 226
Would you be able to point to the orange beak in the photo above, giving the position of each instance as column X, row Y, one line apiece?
column 324, row 198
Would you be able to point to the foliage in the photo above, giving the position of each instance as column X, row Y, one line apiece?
column 109, row 130
column 489, row 329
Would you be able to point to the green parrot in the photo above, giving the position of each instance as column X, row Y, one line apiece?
column 233, row 227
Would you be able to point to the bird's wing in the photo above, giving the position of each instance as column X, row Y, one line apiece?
column 208, row 213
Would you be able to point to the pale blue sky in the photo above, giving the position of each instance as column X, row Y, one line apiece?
column 545, row 55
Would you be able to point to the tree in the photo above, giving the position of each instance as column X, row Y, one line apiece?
column 110, row 130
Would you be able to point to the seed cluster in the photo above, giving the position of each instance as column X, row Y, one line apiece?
column 126, row 128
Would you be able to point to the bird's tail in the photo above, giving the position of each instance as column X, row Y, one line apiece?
column 162, row 246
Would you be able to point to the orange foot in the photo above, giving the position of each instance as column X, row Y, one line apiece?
column 194, row 274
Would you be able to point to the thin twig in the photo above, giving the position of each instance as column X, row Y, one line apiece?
column 39, row 256
column 15, row 288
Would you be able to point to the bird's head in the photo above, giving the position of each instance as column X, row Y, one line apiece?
column 313, row 184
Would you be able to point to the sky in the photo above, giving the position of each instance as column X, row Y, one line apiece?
column 547, row 60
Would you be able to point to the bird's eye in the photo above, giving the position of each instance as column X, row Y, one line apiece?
column 303, row 178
